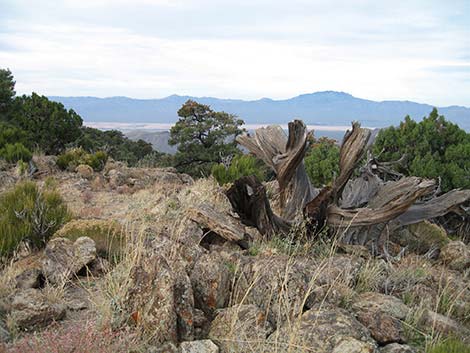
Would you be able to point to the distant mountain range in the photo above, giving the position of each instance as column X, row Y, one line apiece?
column 320, row 108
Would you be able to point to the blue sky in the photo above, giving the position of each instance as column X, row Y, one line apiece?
column 380, row 50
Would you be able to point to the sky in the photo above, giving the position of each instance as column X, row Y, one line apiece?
column 247, row 49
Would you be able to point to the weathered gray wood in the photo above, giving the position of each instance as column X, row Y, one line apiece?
column 391, row 201
column 248, row 198
column 358, row 192
column 436, row 207
column 352, row 150
column 222, row 224
column 285, row 156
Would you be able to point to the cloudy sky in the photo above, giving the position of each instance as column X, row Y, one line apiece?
column 414, row 50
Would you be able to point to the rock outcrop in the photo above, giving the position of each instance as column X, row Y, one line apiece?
column 31, row 309
column 63, row 258
column 382, row 315
column 240, row 328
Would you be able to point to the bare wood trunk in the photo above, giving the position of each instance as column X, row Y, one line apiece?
column 248, row 198
column 285, row 156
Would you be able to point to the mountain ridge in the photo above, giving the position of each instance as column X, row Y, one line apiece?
column 323, row 108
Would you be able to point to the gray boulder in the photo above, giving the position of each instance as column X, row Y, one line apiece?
column 323, row 330
column 382, row 315
column 63, row 258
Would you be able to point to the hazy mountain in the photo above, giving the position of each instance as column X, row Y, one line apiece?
column 158, row 139
column 322, row 108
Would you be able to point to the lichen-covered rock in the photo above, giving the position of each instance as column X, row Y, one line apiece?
column 29, row 278
column 431, row 320
column 339, row 268
column 382, row 315
column 277, row 285
column 30, row 309
column 184, row 302
column 397, row 348
column 63, row 259
column 201, row 324
column 202, row 346
column 323, row 330
column 211, row 281
column 456, row 255
column 239, row 329
column 150, row 299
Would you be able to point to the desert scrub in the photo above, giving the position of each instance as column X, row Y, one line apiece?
column 72, row 158
column 107, row 234
column 29, row 214
column 13, row 153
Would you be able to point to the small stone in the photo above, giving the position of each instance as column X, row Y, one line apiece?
column 397, row 348
column 203, row 346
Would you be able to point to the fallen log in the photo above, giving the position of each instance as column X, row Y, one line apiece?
column 221, row 224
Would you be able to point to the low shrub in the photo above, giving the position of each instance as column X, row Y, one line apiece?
column 76, row 156
column 242, row 165
column 322, row 161
column 30, row 214
column 13, row 153
column 108, row 235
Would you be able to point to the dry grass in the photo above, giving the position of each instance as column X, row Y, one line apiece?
column 371, row 276
column 109, row 300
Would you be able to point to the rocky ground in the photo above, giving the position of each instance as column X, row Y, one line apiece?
column 144, row 266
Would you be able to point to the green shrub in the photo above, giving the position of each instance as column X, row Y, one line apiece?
column 107, row 234
column 322, row 161
column 76, row 156
column 450, row 345
column 156, row 160
column 15, row 152
column 29, row 214
column 242, row 165
column 433, row 147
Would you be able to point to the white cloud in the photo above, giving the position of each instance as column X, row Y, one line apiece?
column 376, row 55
